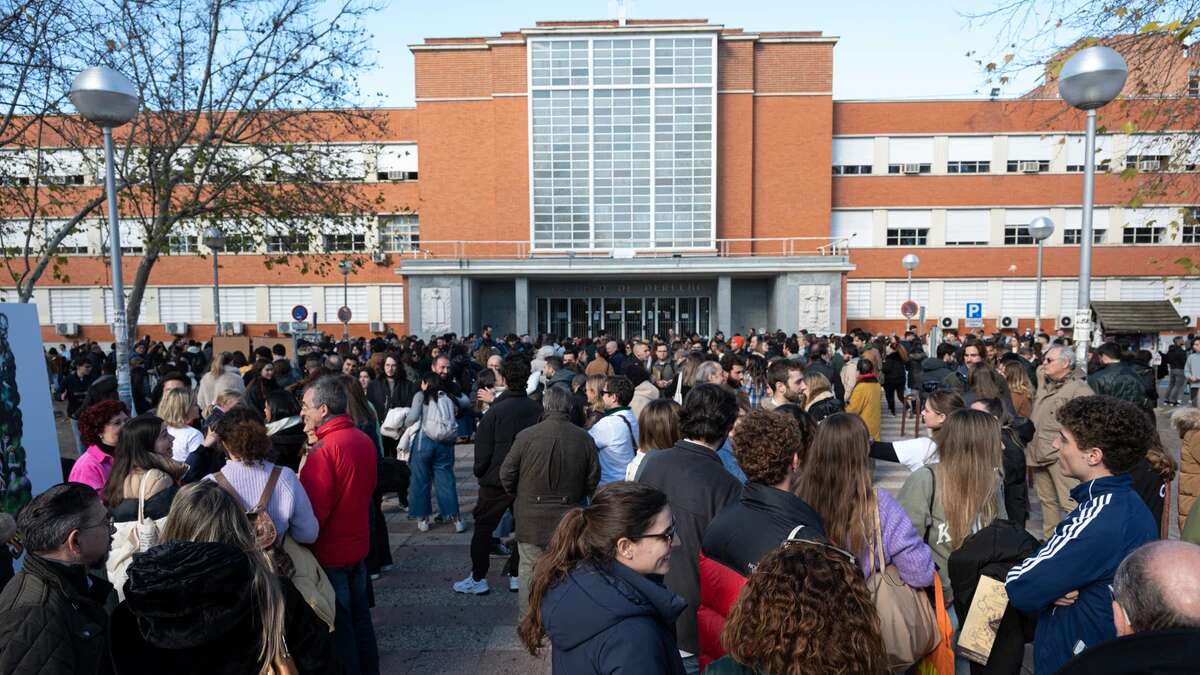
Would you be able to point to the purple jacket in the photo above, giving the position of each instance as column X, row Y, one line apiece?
column 92, row 468
column 902, row 546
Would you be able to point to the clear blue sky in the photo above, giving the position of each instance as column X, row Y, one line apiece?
column 888, row 49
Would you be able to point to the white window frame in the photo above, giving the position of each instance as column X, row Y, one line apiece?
column 391, row 303
column 281, row 300
column 179, row 304
column 653, row 86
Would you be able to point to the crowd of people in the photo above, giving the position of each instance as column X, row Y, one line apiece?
column 670, row 504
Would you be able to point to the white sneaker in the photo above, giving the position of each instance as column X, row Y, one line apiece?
column 459, row 526
column 423, row 524
column 472, row 587
column 514, row 584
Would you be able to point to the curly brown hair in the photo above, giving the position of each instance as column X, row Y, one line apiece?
column 1119, row 428
column 95, row 417
column 243, row 435
column 764, row 442
column 806, row 609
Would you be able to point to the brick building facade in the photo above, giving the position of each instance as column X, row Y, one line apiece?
column 681, row 174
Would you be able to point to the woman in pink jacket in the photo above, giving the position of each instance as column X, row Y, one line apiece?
column 100, row 427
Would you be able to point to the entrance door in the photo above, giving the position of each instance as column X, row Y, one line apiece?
column 665, row 316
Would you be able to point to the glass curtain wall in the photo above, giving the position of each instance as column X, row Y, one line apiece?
column 623, row 317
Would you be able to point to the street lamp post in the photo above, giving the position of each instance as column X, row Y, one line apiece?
column 1089, row 80
column 214, row 239
column 346, row 267
column 108, row 99
column 910, row 263
column 1040, row 228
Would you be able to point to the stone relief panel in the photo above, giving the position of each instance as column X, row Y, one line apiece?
column 814, row 308
column 436, row 306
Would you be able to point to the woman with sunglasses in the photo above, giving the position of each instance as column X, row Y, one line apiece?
column 805, row 609
column 597, row 590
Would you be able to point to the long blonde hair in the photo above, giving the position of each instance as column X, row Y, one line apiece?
column 814, row 384
column 836, row 481
column 968, row 470
column 1017, row 379
column 205, row 512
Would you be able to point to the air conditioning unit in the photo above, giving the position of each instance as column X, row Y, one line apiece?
column 177, row 328
column 379, row 257
column 1066, row 321
column 67, row 329
column 948, row 322
column 233, row 328
column 1008, row 322
column 283, row 327
column 1187, row 321
column 1028, row 167
column 1149, row 165
column 910, row 168
column 378, row 327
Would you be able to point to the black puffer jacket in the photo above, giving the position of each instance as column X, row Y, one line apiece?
column 52, row 622
column 189, row 609
column 1118, row 380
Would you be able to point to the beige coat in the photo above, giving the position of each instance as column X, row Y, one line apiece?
column 1187, row 423
column 643, row 394
column 1051, row 396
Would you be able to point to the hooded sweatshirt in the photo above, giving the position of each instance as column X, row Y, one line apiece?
column 609, row 619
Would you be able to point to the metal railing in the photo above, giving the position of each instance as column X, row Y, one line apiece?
column 734, row 247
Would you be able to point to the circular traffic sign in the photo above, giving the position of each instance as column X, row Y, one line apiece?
column 344, row 314
column 299, row 313
column 909, row 309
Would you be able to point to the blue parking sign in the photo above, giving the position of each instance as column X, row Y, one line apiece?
column 974, row 310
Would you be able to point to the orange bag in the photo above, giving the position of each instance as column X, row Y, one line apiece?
column 941, row 660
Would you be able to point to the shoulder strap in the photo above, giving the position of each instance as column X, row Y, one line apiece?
column 265, row 497
column 219, row 477
column 142, row 495
column 932, row 492
column 877, row 545
column 627, row 426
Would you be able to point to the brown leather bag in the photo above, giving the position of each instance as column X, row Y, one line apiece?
column 264, row 529
column 906, row 616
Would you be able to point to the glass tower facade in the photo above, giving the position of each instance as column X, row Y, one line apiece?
column 623, row 141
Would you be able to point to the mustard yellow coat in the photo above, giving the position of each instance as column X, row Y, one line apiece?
column 865, row 400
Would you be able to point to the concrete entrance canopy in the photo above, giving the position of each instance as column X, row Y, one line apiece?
column 767, row 292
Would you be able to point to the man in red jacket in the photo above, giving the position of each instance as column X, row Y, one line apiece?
column 339, row 477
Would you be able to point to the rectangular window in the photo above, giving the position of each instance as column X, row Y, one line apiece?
column 287, row 243
column 853, row 228
column 341, row 163
column 1143, row 289
column 968, row 167
column 1029, row 154
column 1019, row 298
column 1151, row 152
column 1074, row 225
column 70, row 305
column 391, row 303
column 907, row 236
column 179, row 304
column 969, row 154
column 623, row 138
column 345, row 243
column 1017, row 235
column 1142, row 235
column 853, row 156
column 281, row 300
column 179, row 244
column 858, row 300
column 1076, row 148
column 63, row 167
column 910, row 155
column 239, row 304
column 895, row 293
column 400, row 232
column 1189, row 234
column 75, row 243
column 968, row 227
column 355, row 298
column 1069, row 295
column 108, row 305
column 957, row 294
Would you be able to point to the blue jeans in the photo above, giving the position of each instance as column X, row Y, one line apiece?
column 353, row 632
column 432, row 463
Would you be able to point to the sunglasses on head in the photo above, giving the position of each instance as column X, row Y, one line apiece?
column 822, row 544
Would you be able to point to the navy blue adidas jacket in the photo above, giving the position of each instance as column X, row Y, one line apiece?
column 1110, row 521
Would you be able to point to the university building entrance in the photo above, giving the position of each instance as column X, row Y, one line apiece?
column 624, row 317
